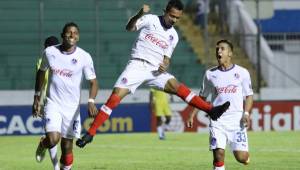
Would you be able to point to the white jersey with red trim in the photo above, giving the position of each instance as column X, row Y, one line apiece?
column 66, row 71
column 154, row 41
column 231, row 85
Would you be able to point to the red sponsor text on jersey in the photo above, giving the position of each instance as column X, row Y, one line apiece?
column 62, row 72
column 156, row 41
column 228, row 89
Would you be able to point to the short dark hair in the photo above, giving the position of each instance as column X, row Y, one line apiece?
column 226, row 42
column 70, row 24
column 52, row 40
column 174, row 4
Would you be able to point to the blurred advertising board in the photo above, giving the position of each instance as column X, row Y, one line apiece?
column 265, row 116
column 127, row 118
column 17, row 120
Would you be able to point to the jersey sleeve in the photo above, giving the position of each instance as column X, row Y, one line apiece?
column 246, row 84
column 207, row 86
column 142, row 22
column 44, row 63
column 173, row 39
column 88, row 69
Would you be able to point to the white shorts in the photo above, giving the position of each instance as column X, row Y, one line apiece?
column 236, row 139
column 65, row 121
column 138, row 72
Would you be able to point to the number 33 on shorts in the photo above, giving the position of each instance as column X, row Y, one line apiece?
column 241, row 141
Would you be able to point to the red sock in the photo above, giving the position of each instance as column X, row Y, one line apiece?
column 66, row 160
column 104, row 113
column 218, row 164
column 185, row 94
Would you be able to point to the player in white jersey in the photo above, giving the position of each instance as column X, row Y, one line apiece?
column 228, row 82
column 66, row 64
column 149, row 62
column 50, row 41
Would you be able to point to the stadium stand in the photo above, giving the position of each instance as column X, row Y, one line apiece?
column 102, row 29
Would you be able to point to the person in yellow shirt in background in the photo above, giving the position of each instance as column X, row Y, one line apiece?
column 159, row 102
column 49, row 41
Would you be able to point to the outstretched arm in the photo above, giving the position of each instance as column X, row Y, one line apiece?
column 132, row 21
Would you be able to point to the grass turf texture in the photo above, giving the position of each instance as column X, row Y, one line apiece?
column 143, row 151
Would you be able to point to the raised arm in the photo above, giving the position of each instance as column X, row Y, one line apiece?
column 132, row 21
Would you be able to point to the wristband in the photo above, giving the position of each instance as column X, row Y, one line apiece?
column 37, row 93
column 91, row 100
column 246, row 113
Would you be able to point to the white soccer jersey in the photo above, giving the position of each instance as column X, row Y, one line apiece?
column 66, row 74
column 154, row 41
column 230, row 85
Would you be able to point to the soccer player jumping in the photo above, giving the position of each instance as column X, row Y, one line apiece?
column 150, row 59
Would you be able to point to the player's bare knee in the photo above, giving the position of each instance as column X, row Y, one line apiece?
column 242, row 157
column 52, row 142
column 171, row 86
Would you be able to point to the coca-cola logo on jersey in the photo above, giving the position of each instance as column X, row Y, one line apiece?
column 62, row 72
column 156, row 41
column 228, row 89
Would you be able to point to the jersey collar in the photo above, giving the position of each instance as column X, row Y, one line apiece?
column 224, row 70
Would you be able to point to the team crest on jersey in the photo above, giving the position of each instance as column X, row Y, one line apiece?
column 124, row 80
column 171, row 38
column 74, row 61
column 236, row 75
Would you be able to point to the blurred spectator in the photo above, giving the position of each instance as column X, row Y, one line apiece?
column 202, row 11
column 159, row 103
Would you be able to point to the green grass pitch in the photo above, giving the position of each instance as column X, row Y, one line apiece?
column 143, row 151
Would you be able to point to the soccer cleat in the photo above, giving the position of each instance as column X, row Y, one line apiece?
column 87, row 138
column 40, row 151
column 217, row 111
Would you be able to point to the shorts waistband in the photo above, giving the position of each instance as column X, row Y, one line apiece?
column 142, row 60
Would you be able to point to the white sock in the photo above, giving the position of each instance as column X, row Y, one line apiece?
column 53, row 156
column 66, row 167
column 219, row 168
column 160, row 131
column 165, row 127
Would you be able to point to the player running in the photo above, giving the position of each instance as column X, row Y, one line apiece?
column 150, row 59
column 66, row 64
